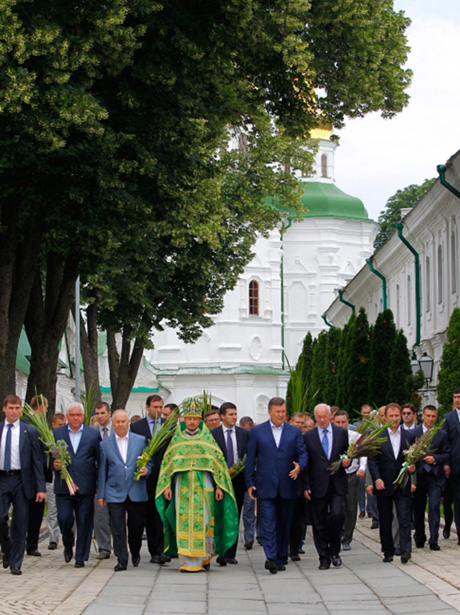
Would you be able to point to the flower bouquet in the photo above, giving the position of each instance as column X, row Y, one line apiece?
column 415, row 453
column 160, row 436
column 58, row 450
column 367, row 445
column 238, row 467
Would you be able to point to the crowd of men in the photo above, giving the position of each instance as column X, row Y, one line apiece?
column 189, row 498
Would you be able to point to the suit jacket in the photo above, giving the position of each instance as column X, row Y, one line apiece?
column 142, row 428
column 31, row 456
column 271, row 476
column 385, row 466
column 83, row 466
column 452, row 428
column 116, row 478
column 317, row 476
column 242, row 436
column 441, row 447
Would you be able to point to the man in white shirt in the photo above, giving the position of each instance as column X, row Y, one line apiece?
column 355, row 472
column 117, row 488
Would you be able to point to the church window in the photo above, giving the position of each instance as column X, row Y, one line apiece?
column 253, row 298
column 453, row 258
column 440, row 272
column 324, row 165
column 428, row 284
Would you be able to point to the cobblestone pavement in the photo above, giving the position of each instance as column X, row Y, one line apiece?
column 430, row 583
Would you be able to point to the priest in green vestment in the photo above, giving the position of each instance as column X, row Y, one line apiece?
column 194, row 496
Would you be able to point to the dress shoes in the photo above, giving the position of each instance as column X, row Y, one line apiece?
column 435, row 547
column 405, row 557
column 398, row 551
column 446, row 533
column 16, row 571
column 103, row 555
column 79, row 564
column 419, row 545
column 68, row 554
column 206, row 567
column 375, row 525
column 362, row 514
column 370, row 515
column 160, row 559
column 221, row 560
column 136, row 559
column 6, row 560
column 248, row 546
column 301, row 552
column 52, row 546
column 295, row 557
column 34, row 552
column 119, row 567
column 281, row 567
column 346, row 546
column 387, row 559
column 271, row 566
column 336, row 561
column 324, row 564
column 231, row 560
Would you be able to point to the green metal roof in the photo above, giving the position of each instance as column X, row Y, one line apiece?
column 325, row 200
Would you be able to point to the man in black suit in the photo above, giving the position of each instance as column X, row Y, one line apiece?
column 22, row 478
column 430, row 481
column 153, row 523
column 326, row 492
column 452, row 427
column 384, row 469
column 83, row 445
column 233, row 442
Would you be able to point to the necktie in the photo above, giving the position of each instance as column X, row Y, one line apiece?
column 230, row 457
column 325, row 443
column 7, row 460
column 105, row 433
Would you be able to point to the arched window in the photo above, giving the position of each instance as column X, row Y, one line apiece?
column 440, row 271
column 428, row 284
column 253, row 298
column 324, row 165
column 453, row 258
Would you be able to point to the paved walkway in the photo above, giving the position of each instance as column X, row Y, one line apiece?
column 364, row 584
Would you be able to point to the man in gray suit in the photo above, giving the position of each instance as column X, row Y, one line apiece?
column 120, row 492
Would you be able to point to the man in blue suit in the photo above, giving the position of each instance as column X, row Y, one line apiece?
column 276, row 455
column 452, row 427
column 430, row 481
column 22, row 478
column 120, row 492
column 326, row 492
column 83, row 445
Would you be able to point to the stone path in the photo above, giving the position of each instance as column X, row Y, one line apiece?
column 430, row 583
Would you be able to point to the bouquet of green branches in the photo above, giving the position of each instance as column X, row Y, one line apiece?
column 58, row 450
column 160, row 436
column 367, row 445
column 237, row 467
column 415, row 453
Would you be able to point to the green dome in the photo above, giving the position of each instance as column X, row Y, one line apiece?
column 325, row 200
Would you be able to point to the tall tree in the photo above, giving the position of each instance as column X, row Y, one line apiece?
column 391, row 215
column 360, row 350
column 382, row 344
column 401, row 380
column 449, row 373
column 332, row 366
column 318, row 372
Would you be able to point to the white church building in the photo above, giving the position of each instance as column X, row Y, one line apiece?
column 282, row 294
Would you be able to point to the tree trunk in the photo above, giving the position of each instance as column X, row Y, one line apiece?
column 114, row 360
column 88, row 340
column 46, row 321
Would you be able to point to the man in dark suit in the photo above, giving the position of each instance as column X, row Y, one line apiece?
column 326, row 492
column 22, row 479
column 452, row 427
column 233, row 442
column 153, row 523
column 120, row 492
column 276, row 455
column 83, row 445
column 101, row 515
column 384, row 469
column 430, row 481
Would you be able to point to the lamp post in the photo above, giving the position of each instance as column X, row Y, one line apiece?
column 425, row 363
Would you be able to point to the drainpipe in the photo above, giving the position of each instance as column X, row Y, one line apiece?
column 399, row 227
column 323, row 316
column 340, row 291
column 289, row 222
column 442, row 176
column 384, row 282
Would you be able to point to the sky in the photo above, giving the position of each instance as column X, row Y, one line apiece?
column 377, row 157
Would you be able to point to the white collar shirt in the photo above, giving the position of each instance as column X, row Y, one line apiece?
column 277, row 433
column 15, row 457
column 122, row 444
column 233, row 437
column 395, row 440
